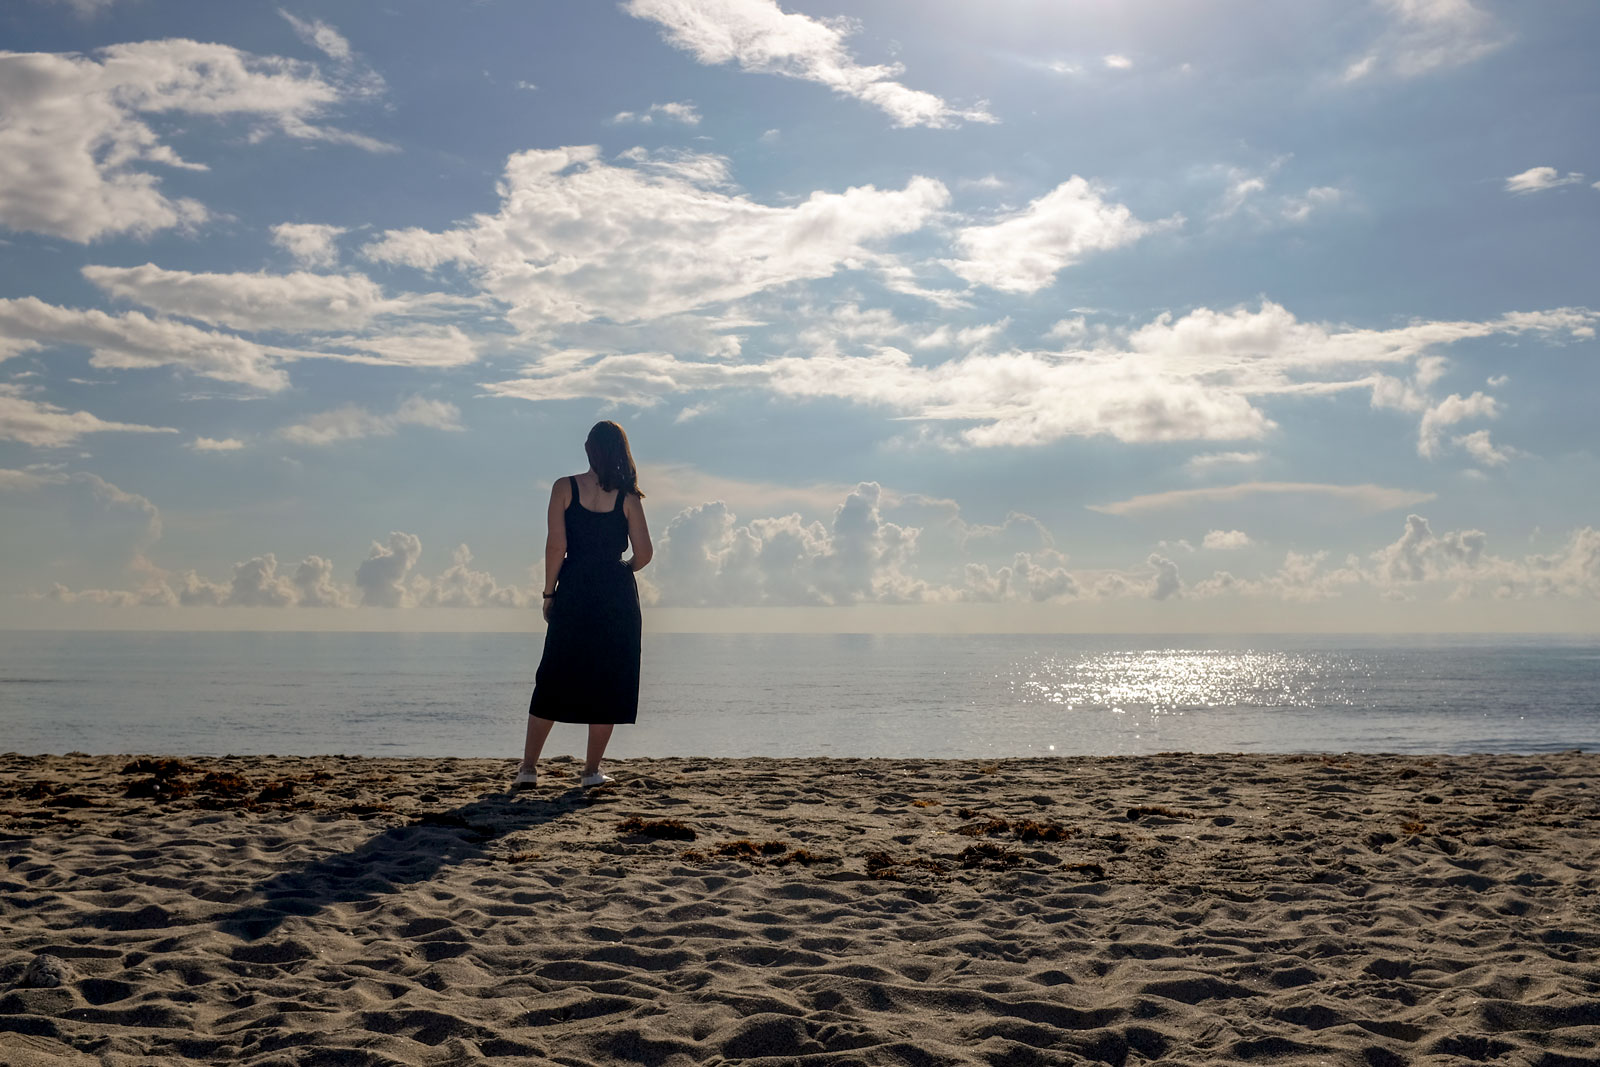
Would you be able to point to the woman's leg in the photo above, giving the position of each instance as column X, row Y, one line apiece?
column 599, row 735
column 538, row 730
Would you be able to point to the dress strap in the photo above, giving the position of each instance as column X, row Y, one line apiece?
column 573, row 479
column 618, row 505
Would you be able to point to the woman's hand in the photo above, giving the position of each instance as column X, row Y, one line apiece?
column 547, row 602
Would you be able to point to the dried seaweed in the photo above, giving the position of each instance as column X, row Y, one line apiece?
column 668, row 829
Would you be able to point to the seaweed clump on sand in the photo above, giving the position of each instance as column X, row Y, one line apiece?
column 884, row 867
column 988, row 856
column 1135, row 814
column 661, row 829
column 1021, row 829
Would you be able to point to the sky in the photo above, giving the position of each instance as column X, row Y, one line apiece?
column 1147, row 315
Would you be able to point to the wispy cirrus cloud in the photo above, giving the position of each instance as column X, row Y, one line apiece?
column 1424, row 36
column 44, row 425
column 1369, row 498
column 762, row 38
column 353, row 422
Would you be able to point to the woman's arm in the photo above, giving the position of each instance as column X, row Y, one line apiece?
column 555, row 539
column 638, row 533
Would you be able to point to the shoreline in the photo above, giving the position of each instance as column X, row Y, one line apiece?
column 1177, row 908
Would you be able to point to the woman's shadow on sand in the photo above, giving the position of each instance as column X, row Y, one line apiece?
column 399, row 856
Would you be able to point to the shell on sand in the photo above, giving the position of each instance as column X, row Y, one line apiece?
column 1187, row 909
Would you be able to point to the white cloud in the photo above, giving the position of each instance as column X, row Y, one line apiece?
column 1424, row 36
column 75, row 153
column 315, row 586
column 762, row 38
column 1449, row 411
column 297, row 302
column 1366, row 498
column 1299, row 208
column 1226, row 540
column 319, row 35
column 303, row 303
column 310, row 243
column 43, row 425
column 1208, row 460
column 101, row 490
column 1479, row 447
column 674, row 111
column 213, row 444
column 707, row 557
column 87, row 8
column 351, row 423
column 133, row 339
column 1023, row 253
column 577, row 238
column 382, row 577
column 1192, row 378
column 1117, row 62
column 1538, row 179
column 1167, row 583
column 462, row 587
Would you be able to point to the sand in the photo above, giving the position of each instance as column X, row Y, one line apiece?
column 1175, row 909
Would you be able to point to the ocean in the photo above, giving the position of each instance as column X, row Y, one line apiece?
column 894, row 695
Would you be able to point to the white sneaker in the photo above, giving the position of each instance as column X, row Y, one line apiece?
column 597, row 778
column 524, row 780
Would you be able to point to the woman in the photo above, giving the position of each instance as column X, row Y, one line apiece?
column 590, row 669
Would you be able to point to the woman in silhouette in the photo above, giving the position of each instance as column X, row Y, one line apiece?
column 590, row 669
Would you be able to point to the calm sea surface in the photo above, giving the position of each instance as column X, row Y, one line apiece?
column 800, row 695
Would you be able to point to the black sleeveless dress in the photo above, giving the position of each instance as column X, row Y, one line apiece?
column 590, row 668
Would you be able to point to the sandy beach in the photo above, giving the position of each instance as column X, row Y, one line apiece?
column 1174, row 909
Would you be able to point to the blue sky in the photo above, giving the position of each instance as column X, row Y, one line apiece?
column 1073, row 315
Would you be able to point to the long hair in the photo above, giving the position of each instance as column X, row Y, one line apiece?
column 611, row 458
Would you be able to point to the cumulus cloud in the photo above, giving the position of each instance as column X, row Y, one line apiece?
column 577, row 238
column 382, row 578
column 1424, row 36
column 1167, row 583
column 75, row 153
column 672, row 111
column 1118, row 62
column 1538, row 179
column 1024, row 252
column 762, row 38
column 462, row 587
column 1030, row 576
column 1449, row 411
column 312, row 244
column 707, row 557
column 1479, row 447
column 44, row 425
column 1226, row 540
column 352, row 422
column 315, row 585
